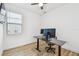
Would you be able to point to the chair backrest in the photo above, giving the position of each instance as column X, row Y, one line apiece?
column 48, row 38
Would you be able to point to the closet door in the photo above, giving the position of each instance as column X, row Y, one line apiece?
column 1, row 39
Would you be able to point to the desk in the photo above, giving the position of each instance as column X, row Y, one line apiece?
column 38, row 37
column 59, row 43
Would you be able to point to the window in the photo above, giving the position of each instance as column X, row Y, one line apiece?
column 2, row 15
column 14, row 23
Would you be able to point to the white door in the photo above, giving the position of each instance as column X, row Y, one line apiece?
column 1, row 38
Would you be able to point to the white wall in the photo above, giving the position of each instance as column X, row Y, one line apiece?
column 29, row 28
column 66, row 21
column 1, row 39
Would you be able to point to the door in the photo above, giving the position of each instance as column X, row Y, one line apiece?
column 1, row 38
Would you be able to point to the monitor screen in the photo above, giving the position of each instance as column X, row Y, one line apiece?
column 49, row 32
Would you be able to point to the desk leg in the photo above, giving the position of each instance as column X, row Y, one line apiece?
column 59, row 50
column 38, row 45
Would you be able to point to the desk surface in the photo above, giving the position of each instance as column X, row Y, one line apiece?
column 40, row 37
column 58, row 42
column 55, row 41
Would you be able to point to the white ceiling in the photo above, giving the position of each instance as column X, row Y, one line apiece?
column 35, row 8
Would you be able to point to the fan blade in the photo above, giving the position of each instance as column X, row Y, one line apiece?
column 44, row 3
column 34, row 3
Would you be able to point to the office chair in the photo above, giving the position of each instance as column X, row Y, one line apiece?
column 50, row 48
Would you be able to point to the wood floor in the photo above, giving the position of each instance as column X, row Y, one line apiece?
column 29, row 50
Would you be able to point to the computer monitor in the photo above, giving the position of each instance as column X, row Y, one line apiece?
column 51, row 32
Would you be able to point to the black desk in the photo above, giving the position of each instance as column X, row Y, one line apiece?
column 59, row 43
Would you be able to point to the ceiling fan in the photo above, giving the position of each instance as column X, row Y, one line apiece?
column 40, row 4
